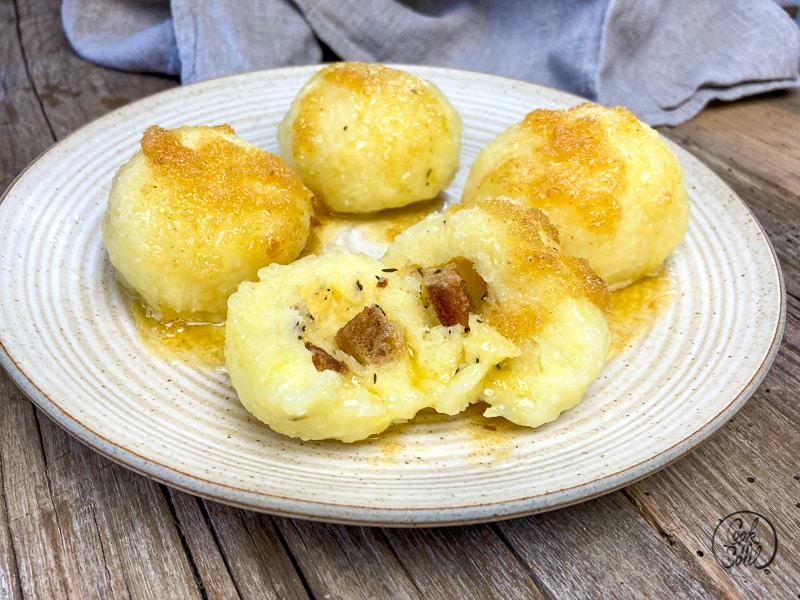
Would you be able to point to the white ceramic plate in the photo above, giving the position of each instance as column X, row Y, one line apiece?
column 69, row 342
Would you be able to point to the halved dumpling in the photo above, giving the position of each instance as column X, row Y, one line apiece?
column 548, row 303
column 337, row 346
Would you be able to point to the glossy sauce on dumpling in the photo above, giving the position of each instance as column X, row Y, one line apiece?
column 197, row 211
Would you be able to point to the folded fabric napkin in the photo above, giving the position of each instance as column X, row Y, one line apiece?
column 664, row 60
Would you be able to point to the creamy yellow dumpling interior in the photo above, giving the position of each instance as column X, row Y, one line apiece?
column 550, row 304
column 366, row 137
column 337, row 346
column 197, row 211
column 612, row 187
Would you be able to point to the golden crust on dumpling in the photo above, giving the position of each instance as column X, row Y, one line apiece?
column 197, row 211
column 608, row 182
column 337, row 346
column 366, row 137
column 550, row 304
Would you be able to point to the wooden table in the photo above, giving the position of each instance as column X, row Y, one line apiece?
column 74, row 524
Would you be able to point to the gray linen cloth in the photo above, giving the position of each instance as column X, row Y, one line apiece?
column 664, row 60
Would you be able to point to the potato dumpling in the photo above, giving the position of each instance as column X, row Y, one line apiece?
column 197, row 211
column 337, row 346
column 612, row 187
column 366, row 137
column 550, row 304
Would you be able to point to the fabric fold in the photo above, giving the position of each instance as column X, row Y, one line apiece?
column 663, row 60
column 130, row 36
column 217, row 37
column 666, row 75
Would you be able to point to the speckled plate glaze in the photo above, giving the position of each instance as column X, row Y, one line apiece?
column 68, row 340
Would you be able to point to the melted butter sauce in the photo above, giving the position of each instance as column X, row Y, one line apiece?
column 197, row 344
column 202, row 344
column 379, row 229
column 486, row 440
column 634, row 310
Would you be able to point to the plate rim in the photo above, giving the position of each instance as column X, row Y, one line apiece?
column 386, row 516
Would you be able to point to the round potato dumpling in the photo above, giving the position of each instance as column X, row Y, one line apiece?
column 336, row 346
column 366, row 137
column 608, row 182
column 550, row 304
column 197, row 211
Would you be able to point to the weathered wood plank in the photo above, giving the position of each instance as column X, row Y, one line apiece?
column 346, row 562
column 748, row 135
column 599, row 549
column 19, row 120
column 81, row 526
column 255, row 554
column 781, row 389
column 70, row 90
column 747, row 466
column 113, row 522
column 14, row 409
column 23, row 129
column 212, row 571
column 751, row 464
column 43, row 560
column 470, row 562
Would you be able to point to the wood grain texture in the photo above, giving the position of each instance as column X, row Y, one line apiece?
column 23, row 130
column 202, row 546
column 68, row 90
column 255, row 554
column 565, row 548
column 75, row 525
column 336, row 559
column 473, row 562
